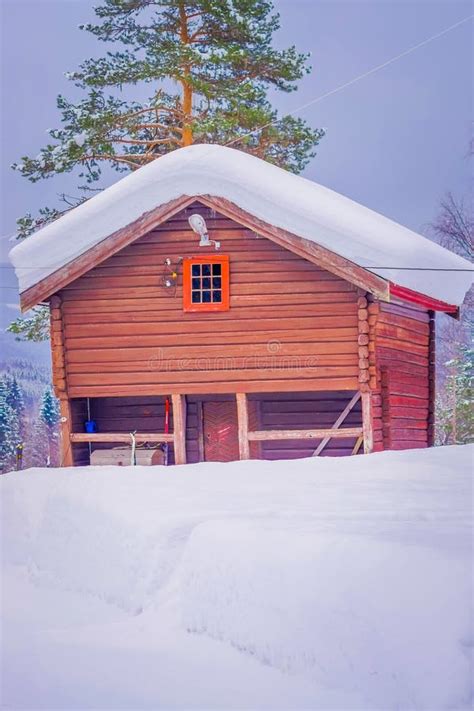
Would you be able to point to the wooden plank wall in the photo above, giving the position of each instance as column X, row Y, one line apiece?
column 291, row 326
column 305, row 411
column 80, row 452
column 402, row 353
column 119, row 414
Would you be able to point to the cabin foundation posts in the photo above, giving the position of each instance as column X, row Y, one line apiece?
column 243, row 425
column 432, row 379
column 66, row 456
column 367, row 422
column 179, row 428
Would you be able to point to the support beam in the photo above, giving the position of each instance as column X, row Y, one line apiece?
column 264, row 435
column 65, row 423
column 337, row 424
column 358, row 445
column 123, row 437
column 367, row 424
column 243, row 422
column 179, row 428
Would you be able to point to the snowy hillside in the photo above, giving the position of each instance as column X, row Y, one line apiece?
column 316, row 584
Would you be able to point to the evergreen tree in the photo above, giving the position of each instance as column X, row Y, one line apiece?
column 49, row 411
column 32, row 328
column 14, row 398
column 49, row 419
column 9, row 429
column 219, row 55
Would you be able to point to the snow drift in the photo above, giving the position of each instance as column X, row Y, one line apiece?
column 322, row 584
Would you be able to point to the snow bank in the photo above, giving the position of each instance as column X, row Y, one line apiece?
column 269, row 193
column 327, row 584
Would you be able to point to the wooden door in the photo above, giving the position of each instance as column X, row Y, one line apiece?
column 221, row 439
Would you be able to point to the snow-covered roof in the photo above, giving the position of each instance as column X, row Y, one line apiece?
column 267, row 192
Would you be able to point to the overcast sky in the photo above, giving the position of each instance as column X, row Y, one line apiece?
column 396, row 141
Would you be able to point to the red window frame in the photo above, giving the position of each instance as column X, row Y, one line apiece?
column 188, row 304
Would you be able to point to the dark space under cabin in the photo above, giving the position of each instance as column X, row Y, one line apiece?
column 203, row 329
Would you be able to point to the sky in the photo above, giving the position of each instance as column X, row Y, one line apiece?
column 396, row 141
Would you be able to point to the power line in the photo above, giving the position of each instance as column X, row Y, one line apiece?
column 354, row 80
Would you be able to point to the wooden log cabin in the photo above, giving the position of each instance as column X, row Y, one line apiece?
column 279, row 319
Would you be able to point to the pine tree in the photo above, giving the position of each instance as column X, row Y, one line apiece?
column 219, row 55
column 49, row 411
column 32, row 328
column 49, row 419
column 9, row 429
column 15, row 399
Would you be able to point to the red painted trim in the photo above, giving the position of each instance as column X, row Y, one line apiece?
column 416, row 298
column 188, row 305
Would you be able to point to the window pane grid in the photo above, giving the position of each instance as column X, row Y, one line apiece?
column 206, row 283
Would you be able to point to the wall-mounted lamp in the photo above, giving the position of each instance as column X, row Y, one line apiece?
column 198, row 225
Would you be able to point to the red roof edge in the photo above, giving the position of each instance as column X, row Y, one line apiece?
column 427, row 301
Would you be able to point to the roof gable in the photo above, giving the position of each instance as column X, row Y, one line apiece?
column 122, row 238
column 275, row 198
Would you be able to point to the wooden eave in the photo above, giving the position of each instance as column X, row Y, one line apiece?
column 427, row 302
column 112, row 244
column 99, row 252
column 305, row 248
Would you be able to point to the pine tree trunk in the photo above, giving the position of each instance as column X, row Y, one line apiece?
column 187, row 136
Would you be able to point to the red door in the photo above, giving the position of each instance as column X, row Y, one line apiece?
column 221, row 440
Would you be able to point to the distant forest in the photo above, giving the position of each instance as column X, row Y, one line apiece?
column 29, row 416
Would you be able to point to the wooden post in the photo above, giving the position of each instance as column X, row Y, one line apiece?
column 179, row 428
column 432, row 378
column 66, row 456
column 367, row 425
column 200, row 424
column 243, row 422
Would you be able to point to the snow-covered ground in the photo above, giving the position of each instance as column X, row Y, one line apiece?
column 316, row 584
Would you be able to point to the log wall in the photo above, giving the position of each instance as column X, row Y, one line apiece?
column 403, row 348
column 291, row 327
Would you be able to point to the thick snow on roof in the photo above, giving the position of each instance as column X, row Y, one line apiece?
column 269, row 193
